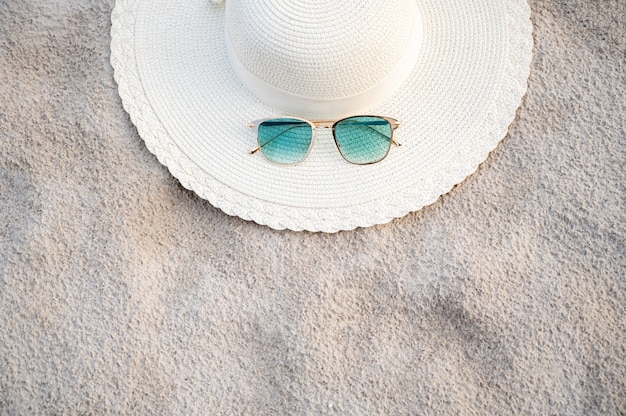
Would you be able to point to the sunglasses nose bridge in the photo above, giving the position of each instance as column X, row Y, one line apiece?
column 323, row 124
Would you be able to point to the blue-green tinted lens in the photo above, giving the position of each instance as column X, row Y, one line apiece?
column 363, row 139
column 285, row 140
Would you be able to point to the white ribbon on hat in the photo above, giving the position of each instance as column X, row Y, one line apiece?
column 305, row 106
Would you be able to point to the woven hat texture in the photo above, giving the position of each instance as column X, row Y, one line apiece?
column 192, row 74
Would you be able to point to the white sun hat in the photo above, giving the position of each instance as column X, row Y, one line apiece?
column 193, row 73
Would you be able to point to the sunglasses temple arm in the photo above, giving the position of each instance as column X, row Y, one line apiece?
column 393, row 141
column 256, row 149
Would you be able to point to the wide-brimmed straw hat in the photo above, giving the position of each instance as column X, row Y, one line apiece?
column 193, row 74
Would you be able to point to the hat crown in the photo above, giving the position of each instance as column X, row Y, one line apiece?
column 322, row 50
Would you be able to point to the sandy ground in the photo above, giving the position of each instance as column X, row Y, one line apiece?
column 123, row 293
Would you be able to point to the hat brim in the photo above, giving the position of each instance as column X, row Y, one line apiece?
column 177, row 84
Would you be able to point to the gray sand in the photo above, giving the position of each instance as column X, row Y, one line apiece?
column 123, row 293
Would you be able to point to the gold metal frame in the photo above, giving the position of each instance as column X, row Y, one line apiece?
column 322, row 124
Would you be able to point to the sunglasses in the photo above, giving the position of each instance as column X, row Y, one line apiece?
column 361, row 140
